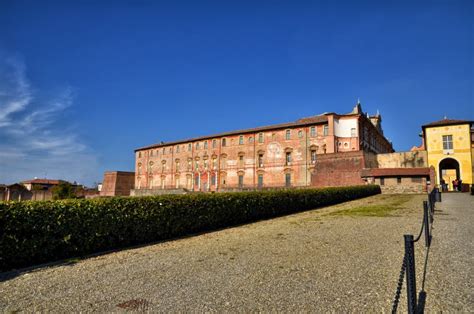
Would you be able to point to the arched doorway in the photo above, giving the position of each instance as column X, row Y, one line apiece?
column 449, row 171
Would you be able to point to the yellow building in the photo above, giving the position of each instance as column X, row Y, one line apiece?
column 450, row 148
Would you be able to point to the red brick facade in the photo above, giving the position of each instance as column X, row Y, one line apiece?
column 339, row 169
column 117, row 183
column 283, row 155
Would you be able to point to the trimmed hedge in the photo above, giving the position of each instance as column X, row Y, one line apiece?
column 34, row 232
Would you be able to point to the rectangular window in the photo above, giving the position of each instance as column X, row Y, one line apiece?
column 312, row 131
column 214, row 143
column 288, row 134
column 399, row 180
column 260, row 160
column 224, row 142
column 260, row 180
column 260, row 137
column 447, row 142
column 190, row 147
column 197, row 145
column 241, row 181
column 205, row 145
column 241, row 140
column 213, row 180
column 313, row 156
column 196, row 181
column 353, row 132
column 300, row 134
column 382, row 181
column 325, row 130
column 288, row 158
column 177, row 149
column 287, row 180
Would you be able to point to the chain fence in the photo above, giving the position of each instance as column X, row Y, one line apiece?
column 408, row 262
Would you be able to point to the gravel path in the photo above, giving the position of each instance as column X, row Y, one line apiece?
column 312, row 261
column 450, row 271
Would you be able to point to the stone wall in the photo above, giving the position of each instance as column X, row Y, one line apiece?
column 412, row 159
column 411, row 185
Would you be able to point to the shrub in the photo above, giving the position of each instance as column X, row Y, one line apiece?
column 35, row 232
column 63, row 190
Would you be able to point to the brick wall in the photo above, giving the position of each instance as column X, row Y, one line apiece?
column 117, row 183
column 206, row 164
column 338, row 169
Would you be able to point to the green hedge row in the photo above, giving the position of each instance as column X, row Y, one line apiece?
column 35, row 232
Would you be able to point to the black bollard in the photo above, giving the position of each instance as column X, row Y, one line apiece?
column 410, row 270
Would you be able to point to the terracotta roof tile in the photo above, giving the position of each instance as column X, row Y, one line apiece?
column 447, row 122
column 42, row 181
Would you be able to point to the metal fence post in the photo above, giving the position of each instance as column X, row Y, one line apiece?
column 426, row 222
column 410, row 270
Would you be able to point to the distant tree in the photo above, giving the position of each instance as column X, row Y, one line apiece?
column 62, row 191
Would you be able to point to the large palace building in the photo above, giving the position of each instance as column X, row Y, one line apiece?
column 312, row 151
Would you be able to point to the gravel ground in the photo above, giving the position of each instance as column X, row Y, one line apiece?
column 450, row 272
column 312, row 261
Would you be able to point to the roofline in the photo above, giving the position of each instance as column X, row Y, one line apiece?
column 447, row 123
column 119, row 172
column 246, row 131
column 32, row 180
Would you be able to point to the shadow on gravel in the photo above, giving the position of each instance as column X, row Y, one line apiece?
column 18, row 272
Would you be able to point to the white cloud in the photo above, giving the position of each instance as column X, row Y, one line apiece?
column 15, row 93
column 32, row 143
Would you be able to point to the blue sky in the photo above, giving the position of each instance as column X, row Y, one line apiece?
column 84, row 83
